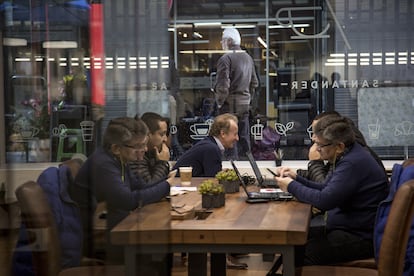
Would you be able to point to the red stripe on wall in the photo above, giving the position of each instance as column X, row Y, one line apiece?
column 97, row 55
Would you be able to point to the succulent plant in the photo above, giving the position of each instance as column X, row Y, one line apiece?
column 227, row 174
column 210, row 186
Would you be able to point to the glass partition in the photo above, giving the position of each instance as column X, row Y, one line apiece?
column 310, row 56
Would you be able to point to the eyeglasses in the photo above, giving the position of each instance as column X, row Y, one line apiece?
column 320, row 146
column 136, row 147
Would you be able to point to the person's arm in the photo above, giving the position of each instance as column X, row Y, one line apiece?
column 223, row 80
column 317, row 170
column 150, row 170
column 153, row 193
column 121, row 193
column 114, row 185
column 339, row 188
column 254, row 81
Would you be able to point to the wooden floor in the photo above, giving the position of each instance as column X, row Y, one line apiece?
column 256, row 266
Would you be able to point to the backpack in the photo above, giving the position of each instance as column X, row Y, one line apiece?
column 264, row 149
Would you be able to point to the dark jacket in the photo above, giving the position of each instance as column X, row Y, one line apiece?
column 350, row 194
column 318, row 169
column 399, row 176
column 55, row 182
column 236, row 80
column 150, row 169
column 205, row 158
column 104, row 178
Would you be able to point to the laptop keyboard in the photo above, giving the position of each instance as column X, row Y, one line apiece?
column 264, row 195
column 269, row 183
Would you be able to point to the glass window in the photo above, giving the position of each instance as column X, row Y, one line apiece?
column 69, row 67
column 310, row 56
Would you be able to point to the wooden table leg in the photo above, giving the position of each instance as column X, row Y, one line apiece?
column 197, row 264
column 130, row 260
column 289, row 261
column 218, row 264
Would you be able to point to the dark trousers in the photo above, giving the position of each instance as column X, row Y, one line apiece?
column 243, row 145
column 334, row 247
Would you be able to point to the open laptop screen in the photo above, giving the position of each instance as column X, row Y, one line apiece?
column 260, row 180
column 240, row 177
column 255, row 168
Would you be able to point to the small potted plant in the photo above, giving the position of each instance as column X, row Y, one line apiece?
column 212, row 194
column 229, row 179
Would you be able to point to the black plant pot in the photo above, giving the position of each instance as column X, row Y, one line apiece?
column 230, row 186
column 209, row 201
column 278, row 162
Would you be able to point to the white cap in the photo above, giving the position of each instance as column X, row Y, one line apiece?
column 232, row 33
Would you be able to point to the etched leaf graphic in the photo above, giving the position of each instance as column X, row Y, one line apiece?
column 289, row 126
column 280, row 128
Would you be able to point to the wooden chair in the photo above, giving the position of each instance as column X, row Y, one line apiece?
column 394, row 242
column 38, row 218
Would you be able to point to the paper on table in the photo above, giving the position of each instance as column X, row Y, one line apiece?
column 181, row 190
column 271, row 190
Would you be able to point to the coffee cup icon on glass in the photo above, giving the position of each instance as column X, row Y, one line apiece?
column 29, row 132
column 373, row 130
column 200, row 130
column 87, row 130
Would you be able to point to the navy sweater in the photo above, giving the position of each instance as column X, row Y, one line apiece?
column 204, row 157
column 350, row 194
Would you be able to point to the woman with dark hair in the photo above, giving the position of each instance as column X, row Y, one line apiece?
column 350, row 195
column 106, row 177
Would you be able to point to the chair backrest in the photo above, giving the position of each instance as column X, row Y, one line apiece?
column 38, row 218
column 397, row 231
column 74, row 165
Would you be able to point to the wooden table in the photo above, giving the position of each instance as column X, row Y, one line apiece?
column 274, row 227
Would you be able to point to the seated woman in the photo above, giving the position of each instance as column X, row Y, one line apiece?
column 350, row 194
column 106, row 177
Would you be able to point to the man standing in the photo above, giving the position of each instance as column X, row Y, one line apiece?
column 236, row 81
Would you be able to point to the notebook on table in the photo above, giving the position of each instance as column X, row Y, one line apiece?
column 252, row 196
column 271, row 182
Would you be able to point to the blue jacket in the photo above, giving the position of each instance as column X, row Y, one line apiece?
column 205, row 158
column 350, row 194
column 54, row 182
column 399, row 176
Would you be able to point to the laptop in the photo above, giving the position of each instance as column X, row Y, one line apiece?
column 271, row 182
column 255, row 196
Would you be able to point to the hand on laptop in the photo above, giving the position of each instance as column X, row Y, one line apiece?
column 285, row 171
column 286, row 176
column 283, row 182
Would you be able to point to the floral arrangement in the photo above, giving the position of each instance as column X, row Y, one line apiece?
column 227, row 175
column 210, row 186
column 40, row 118
column 35, row 119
